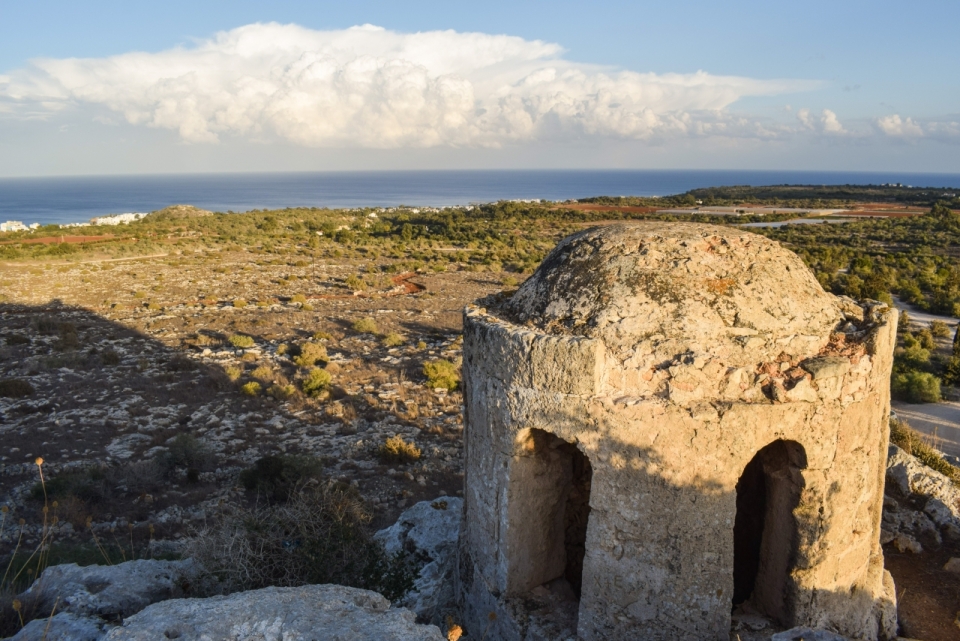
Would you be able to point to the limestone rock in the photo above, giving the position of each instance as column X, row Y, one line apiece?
column 110, row 592
column 307, row 613
column 428, row 532
column 63, row 626
column 807, row 634
column 906, row 543
column 909, row 476
column 953, row 565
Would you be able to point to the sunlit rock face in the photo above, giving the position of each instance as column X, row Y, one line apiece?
column 666, row 423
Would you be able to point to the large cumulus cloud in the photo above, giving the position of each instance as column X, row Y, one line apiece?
column 374, row 88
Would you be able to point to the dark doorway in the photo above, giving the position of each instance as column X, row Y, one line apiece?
column 575, row 515
column 549, row 509
column 765, row 529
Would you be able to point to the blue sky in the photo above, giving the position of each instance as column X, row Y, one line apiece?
column 686, row 84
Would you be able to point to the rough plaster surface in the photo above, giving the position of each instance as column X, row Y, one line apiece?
column 671, row 354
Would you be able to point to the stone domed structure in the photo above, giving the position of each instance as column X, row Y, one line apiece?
column 668, row 422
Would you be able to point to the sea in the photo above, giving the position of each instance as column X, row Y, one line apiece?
column 61, row 200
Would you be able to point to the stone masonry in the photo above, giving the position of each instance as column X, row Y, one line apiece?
column 666, row 423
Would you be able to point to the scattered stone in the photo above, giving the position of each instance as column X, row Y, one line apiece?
column 953, row 565
column 906, row 543
column 329, row 612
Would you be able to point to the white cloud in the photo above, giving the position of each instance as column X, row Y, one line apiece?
column 370, row 87
column 899, row 127
column 826, row 123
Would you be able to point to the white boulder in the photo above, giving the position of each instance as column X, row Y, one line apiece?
column 428, row 533
column 307, row 613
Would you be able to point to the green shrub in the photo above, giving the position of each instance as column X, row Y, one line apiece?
column 393, row 339
column 916, row 387
column 316, row 381
column 355, row 283
column 310, row 354
column 441, row 374
column 319, row 535
column 185, row 450
column 263, row 373
column 281, row 392
column 275, row 477
column 239, row 303
column 250, row 389
column 365, row 326
column 15, row 388
column 322, row 336
column 17, row 339
column 298, row 298
column 939, row 329
column 282, row 349
column 233, row 372
column 241, row 341
column 396, row 450
column 109, row 357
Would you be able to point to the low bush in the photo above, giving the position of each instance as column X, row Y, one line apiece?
column 916, row 387
column 275, row 477
column 365, row 326
column 15, row 388
column 393, row 339
column 939, row 329
column 263, row 373
column 319, row 535
column 109, row 357
column 298, row 298
column 250, row 389
column 310, row 354
column 441, row 374
column 233, row 372
column 281, row 392
column 186, row 451
column 241, row 341
column 397, row 450
column 316, row 381
column 239, row 303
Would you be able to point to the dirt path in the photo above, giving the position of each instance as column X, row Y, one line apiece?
column 939, row 421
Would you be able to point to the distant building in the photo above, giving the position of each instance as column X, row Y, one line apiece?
column 13, row 225
column 117, row 219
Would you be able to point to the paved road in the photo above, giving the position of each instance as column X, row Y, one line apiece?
column 921, row 317
column 941, row 421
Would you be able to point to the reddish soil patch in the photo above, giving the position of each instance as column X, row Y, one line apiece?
column 928, row 596
column 49, row 240
column 882, row 214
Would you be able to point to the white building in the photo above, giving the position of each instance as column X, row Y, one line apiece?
column 13, row 225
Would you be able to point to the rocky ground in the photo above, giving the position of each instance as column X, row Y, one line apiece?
column 132, row 376
column 129, row 361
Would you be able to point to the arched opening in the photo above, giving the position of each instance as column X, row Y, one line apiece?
column 549, row 507
column 765, row 529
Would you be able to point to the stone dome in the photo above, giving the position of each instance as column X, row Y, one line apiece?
column 666, row 289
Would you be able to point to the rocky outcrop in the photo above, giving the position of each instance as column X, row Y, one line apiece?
column 428, row 533
column 87, row 598
column 61, row 627
column 328, row 612
column 922, row 506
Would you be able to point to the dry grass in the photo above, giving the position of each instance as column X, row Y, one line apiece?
column 912, row 442
column 318, row 535
column 396, row 450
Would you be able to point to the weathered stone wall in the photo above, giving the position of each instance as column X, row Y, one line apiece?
column 668, row 436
